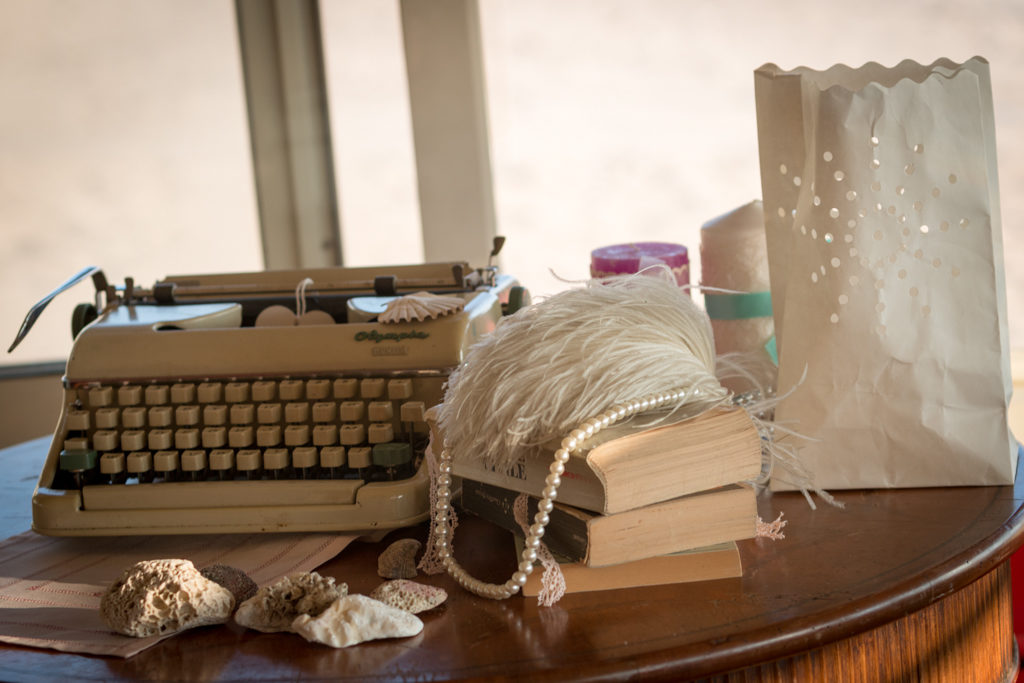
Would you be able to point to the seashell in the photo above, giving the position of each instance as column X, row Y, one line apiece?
column 409, row 596
column 420, row 306
column 355, row 619
column 235, row 580
column 398, row 561
column 275, row 607
column 160, row 597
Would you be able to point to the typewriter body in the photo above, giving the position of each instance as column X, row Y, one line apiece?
column 184, row 412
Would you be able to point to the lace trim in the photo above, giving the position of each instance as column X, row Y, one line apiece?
column 431, row 562
column 552, row 581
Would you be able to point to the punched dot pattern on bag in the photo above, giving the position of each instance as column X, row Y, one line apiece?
column 882, row 221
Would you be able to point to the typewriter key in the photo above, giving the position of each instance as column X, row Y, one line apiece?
column 209, row 392
column 160, row 416
column 165, row 464
column 296, row 412
column 304, row 460
column 193, row 464
column 129, row 395
column 78, row 420
column 268, row 413
column 325, row 435
column 360, row 458
column 236, row 392
column 332, row 462
column 185, row 439
column 380, row 411
column 140, row 465
column 215, row 415
column 264, row 391
column 345, row 388
column 133, row 440
column 352, row 435
column 268, row 436
column 214, row 437
column 101, row 397
column 160, row 439
column 380, row 432
column 351, row 411
column 222, row 463
column 133, row 417
column 290, row 390
column 249, row 463
column 240, row 437
column 183, row 393
column 112, row 466
column 157, row 394
column 105, row 440
column 106, row 418
column 324, row 411
column 318, row 389
column 296, row 435
column 276, row 462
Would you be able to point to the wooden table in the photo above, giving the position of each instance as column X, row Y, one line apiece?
column 901, row 585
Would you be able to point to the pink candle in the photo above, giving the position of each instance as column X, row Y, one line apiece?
column 625, row 259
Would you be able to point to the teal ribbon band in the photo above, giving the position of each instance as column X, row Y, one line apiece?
column 773, row 350
column 738, row 306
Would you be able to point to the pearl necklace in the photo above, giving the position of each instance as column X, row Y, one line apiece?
column 573, row 442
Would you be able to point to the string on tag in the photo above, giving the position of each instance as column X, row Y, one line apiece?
column 300, row 297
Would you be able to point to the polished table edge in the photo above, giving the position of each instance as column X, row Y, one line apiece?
column 828, row 625
column 860, row 615
column 1013, row 670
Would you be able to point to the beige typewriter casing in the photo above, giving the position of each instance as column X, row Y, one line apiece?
column 143, row 343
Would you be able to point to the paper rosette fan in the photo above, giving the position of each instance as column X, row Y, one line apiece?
column 420, row 306
column 574, row 355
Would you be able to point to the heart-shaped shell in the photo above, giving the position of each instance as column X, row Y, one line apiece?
column 420, row 306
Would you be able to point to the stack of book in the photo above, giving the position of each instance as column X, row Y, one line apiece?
column 639, row 505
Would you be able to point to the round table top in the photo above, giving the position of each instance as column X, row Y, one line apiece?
column 837, row 572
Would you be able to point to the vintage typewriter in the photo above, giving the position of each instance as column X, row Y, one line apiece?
column 185, row 411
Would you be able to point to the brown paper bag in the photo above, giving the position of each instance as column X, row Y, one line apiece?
column 886, row 264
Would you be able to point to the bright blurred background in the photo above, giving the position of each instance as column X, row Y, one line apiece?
column 124, row 140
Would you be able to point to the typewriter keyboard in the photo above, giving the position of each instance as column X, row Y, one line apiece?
column 365, row 428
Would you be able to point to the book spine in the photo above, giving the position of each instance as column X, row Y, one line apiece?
column 580, row 485
column 564, row 535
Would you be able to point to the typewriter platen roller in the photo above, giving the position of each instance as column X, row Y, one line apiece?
column 185, row 411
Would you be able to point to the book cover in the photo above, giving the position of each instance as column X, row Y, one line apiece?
column 725, row 514
column 633, row 465
column 721, row 561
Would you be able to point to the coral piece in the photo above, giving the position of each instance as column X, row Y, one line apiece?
column 274, row 607
column 420, row 306
column 772, row 530
column 160, row 597
column 356, row 619
column 398, row 561
column 235, row 580
column 409, row 596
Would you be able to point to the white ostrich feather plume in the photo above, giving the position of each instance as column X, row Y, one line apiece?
column 574, row 355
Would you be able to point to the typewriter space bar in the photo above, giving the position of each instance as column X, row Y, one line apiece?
column 206, row 494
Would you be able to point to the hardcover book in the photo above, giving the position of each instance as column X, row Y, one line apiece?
column 721, row 561
column 728, row 513
column 632, row 465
